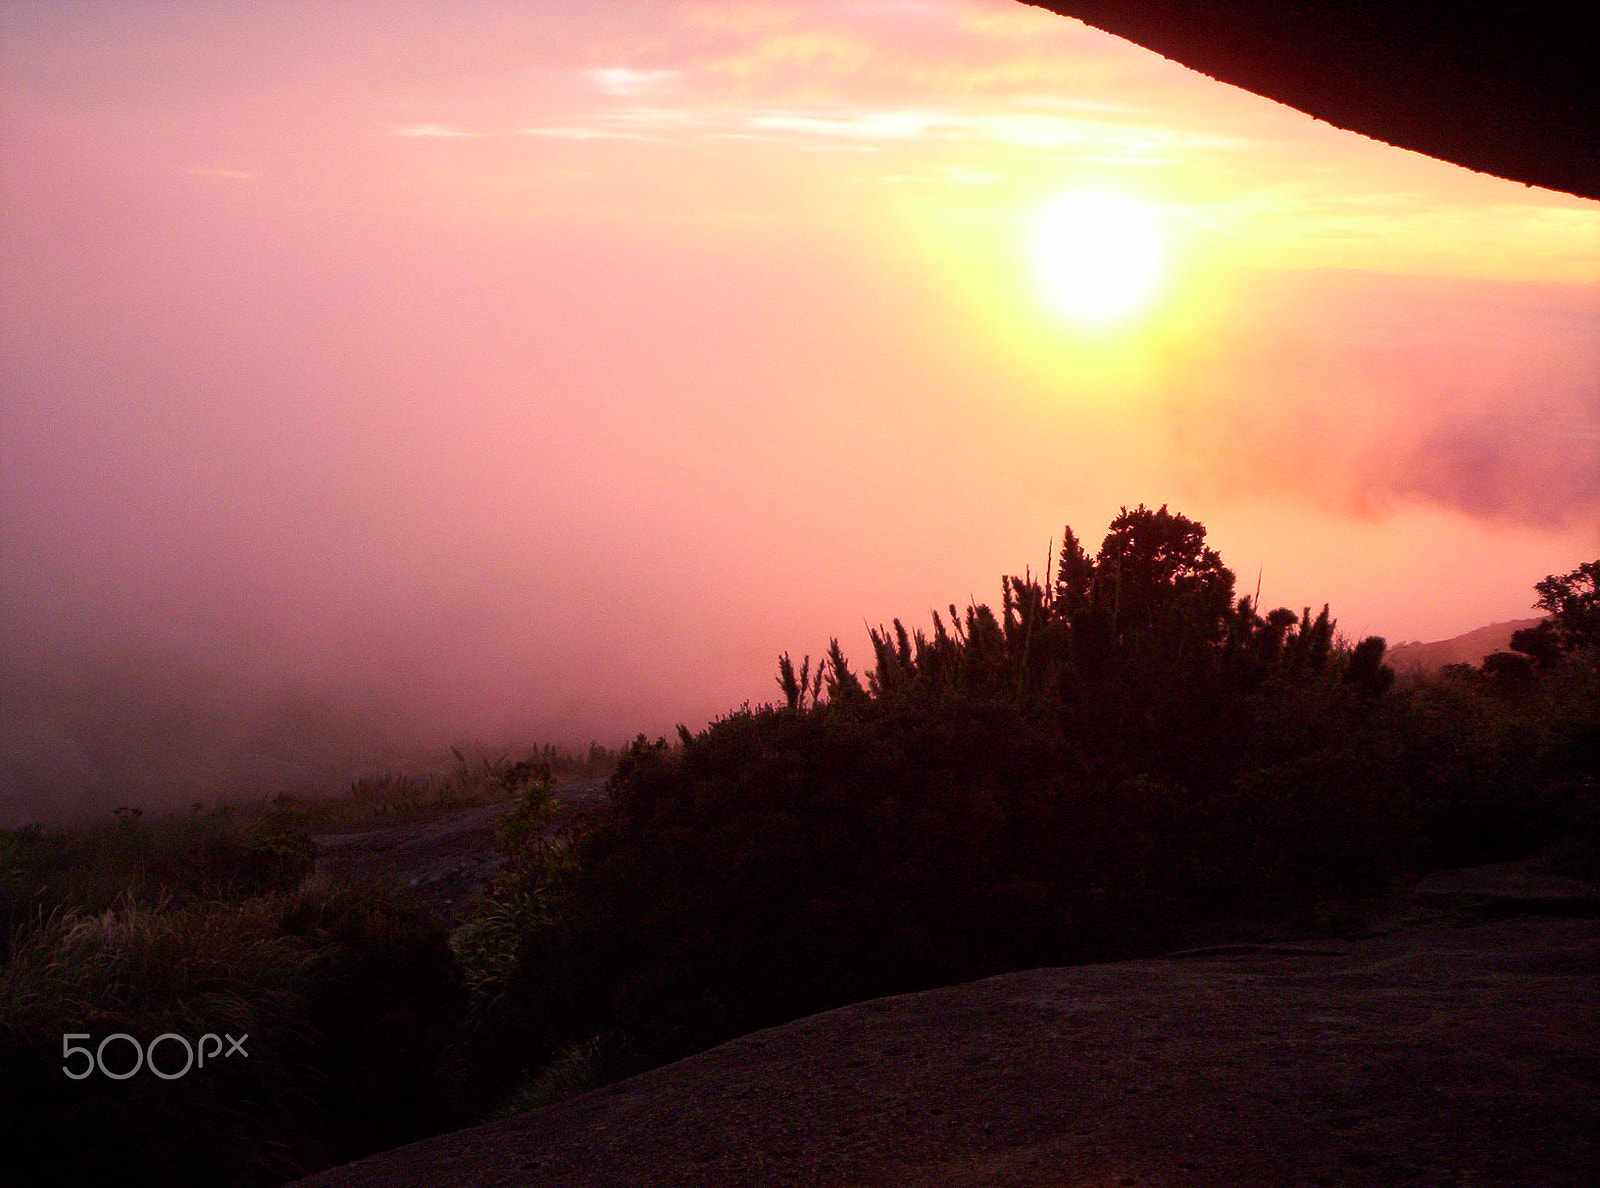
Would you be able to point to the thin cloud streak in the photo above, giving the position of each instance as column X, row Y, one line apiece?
column 437, row 130
column 622, row 81
column 575, row 133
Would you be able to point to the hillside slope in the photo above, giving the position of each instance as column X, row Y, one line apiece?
column 1452, row 1042
column 1470, row 648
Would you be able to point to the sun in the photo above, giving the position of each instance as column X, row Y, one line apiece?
column 1099, row 257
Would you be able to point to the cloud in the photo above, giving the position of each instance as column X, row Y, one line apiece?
column 829, row 51
column 1505, row 465
column 666, row 116
column 436, row 130
column 1362, row 393
column 947, row 48
column 742, row 17
column 577, row 133
column 865, row 124
column 626, row 82
column 808, row 126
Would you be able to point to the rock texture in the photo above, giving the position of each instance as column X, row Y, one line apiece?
column 1456, row 1042
column 1506, row 89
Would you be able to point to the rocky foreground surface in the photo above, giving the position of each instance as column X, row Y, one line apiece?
column 1455, row 1041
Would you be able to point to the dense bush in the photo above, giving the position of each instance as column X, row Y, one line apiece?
column 1122, row 759
column 1112, row 760
column 1501, row 766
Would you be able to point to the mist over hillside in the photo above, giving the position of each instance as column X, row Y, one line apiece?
column 95, row 720
column 103, row 722
column 1468, row 648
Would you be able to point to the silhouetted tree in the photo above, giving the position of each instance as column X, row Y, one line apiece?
column 1366, row 670
column 1541, row 643
column 1508, row 670
column 1573, row 600
column 1074, row 576
column 1161, row 579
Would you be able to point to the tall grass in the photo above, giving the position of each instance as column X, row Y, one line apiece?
column 321, row 979
column 215, row 855
column 467, row 783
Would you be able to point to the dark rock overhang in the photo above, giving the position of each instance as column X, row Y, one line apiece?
column 1512, row 91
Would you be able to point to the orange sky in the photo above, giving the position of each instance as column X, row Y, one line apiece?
column 503, row 368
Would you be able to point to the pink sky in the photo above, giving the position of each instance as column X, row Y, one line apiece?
column 482, row 367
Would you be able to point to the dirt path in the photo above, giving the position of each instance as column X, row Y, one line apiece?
column 438, row 859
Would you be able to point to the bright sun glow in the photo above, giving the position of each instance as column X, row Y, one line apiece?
column 1099, row 257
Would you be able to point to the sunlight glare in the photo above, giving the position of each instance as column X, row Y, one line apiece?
column 1098, row 255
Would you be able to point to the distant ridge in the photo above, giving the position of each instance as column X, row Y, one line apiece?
column 1470, row 648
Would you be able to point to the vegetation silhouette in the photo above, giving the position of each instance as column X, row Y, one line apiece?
column 1125, row 757
column 1573, row 603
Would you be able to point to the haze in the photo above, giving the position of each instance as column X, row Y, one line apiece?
column 383, row 376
